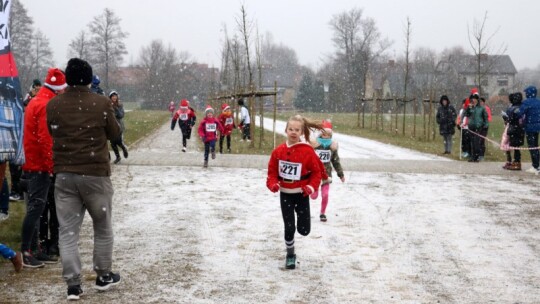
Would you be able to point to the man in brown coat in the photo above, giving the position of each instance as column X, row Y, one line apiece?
column 81, row 123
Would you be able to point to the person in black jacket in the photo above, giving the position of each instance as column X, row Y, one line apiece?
column 515, row 132
column 446, row 117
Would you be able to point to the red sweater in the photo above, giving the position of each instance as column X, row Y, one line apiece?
column 293, row 167
column 227, row 121
column 37, row 141
column 208, row 128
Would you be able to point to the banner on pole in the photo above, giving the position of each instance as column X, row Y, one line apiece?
column 11, row 110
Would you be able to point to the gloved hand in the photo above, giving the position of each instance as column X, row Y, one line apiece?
column 274, row 188
column 307, row 190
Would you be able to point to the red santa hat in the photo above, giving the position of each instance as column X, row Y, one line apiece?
column 184, row 103
column 55, row 80
column 224, row 107
column 327, row 126
column 208, row 109
column 474, row 91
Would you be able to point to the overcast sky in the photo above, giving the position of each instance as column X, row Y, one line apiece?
column 195, row 26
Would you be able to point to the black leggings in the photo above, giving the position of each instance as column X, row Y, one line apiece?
column 289, row 204
column 221, row 138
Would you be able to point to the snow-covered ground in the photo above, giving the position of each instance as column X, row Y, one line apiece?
column 358, row 147
column 188, row 235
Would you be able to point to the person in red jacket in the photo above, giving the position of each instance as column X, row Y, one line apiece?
column 186, row 120
column 208, row 133
column 295, row 170
column 227, row 121
column 38, row 168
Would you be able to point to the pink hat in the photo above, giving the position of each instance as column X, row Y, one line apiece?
column 55, row 79
column 327, row 125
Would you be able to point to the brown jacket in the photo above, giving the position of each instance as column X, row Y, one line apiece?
column 81, row 123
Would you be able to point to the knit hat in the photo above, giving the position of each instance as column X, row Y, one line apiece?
column 208, row 109
column 225, row 107
column 530, row 92
column 36, row 83
column 515, row 98
column 55, row 79
column 113, row 92
column 95, row 80
column 184, row 103
column 78, row 72
column 327, row 126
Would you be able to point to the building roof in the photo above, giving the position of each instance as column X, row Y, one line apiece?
column 500, row 64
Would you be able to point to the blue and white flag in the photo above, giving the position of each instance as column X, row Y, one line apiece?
column 11, row 110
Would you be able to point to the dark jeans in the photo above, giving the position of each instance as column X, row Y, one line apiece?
column 221, row 138
column 186, row 134
column 4, row 198
column 484, row 133
column 15, row 171
column 245, row 132
column 517, row 156
column 48, row 227
column 466, row 141
column 38, row 188
column 475, row 145
column 209, row 147
column 291, row 202
column 532, row 142
column 119, row 142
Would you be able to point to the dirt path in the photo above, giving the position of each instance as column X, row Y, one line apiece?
column 396, row 234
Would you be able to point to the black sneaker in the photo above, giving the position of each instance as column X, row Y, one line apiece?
column 117, row 160
column 126, row 153
column 323, row 218
column 45, row 258
column 105, row 282
column 74, row 292
column 290, row 261
column 30, row 261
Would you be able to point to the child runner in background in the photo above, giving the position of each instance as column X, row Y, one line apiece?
column 295, row 170
column 172, row 108
column 208, row 133
column 186, row 120
column 327, row 149
column 227, row 121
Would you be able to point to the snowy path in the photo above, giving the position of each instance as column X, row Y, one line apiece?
column 357, row 147
column 188, row 235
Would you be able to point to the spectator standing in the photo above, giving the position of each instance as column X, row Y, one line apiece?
column 529, row 113
column 446, row 116
column 81, row 123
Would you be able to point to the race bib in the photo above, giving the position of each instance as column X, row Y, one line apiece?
column 288, row 170
column 228, row 121
column 183, row 116
column 324, row 155
column 210, row 127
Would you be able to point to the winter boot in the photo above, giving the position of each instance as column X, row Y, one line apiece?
column 205, row 165
column 125, row 152
column 213, row 154
column 290, row 261
column 507, row 165
column 515, row 166
column 117, row 160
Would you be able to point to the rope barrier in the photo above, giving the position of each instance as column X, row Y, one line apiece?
column 499, row 144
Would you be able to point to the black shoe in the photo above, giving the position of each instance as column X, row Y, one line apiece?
column 54, row 252
column 205, row 165
column 105, row 282
column 213, row 154
column 323, row 218
column 126, row 153
column 74, row 292
column 45, row 258
column 290, row 261
column 117, row 160
column 30, row 261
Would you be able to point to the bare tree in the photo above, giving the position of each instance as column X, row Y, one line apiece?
column 108, row 46
column 481, row 44
column 80, row 46
column 41, row 54
column 245, row 27
column 408, row 32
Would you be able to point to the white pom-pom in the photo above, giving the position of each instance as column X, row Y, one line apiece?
column 53, row 79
